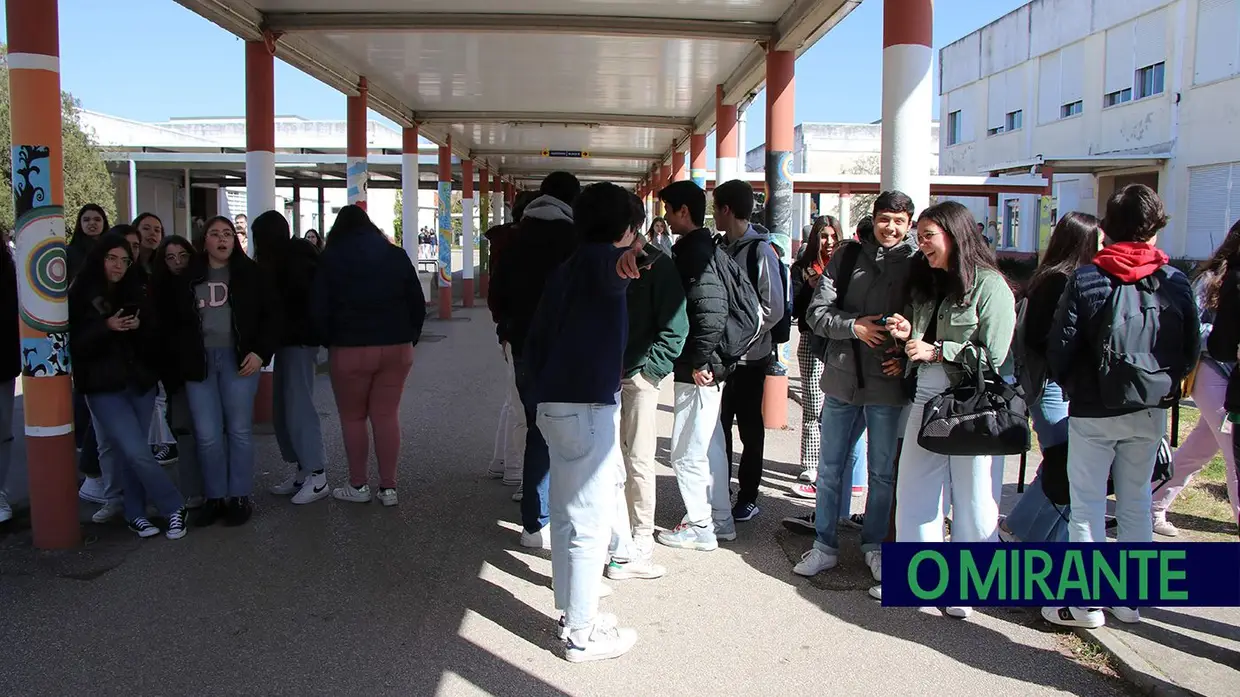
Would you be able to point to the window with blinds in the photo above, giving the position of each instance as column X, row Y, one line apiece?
column 1213, row 206
column 1135, row 59
column 1006, row 97
column 1218, row 41
column 1061, row 83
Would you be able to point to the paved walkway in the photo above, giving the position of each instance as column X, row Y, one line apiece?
column 437, row 597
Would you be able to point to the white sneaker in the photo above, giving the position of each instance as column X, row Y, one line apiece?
column 1127, row 615
column 602, row 616
column 1162, row 527
column 495, row 470
column 960, row 613
column 387, row 497
column 313, row 489
column 876, row 592
column 808, row 475
column 352, row 495
column 814, row 562
column 289, row 486
column 874, row 560
column 642, row 567
column 92, row 490
column 6, row 511
column 602, row 641
column 1074, row 617
column 537, row 540
column 107, row 512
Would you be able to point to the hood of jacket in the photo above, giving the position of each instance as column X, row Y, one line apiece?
column 1130, row 261
column 548, row 208
column 270, row 231
column 903, row 249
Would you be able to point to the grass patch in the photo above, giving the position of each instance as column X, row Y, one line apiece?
column 1087, row 654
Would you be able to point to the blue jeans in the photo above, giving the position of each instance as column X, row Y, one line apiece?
column 123, row 421
column 842, row 424
column 1035, row 518
column 583, row 442
column 855, row 471
column 223, row 410
column 298, row 431
column 534, row 485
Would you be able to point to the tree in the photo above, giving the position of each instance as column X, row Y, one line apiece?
column 86, row 174
column 863, row 204
column 398, row 220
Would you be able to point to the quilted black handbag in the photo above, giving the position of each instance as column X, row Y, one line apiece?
column 983, row 415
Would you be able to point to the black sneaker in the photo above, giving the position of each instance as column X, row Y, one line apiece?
column 238, row 511
column 742, row 512
column 801, row 524
column 176, row 525
column 143, row 527
column 166, row 454
column 210, row 512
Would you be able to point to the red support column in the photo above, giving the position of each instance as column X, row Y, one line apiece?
column 260, row 169
column 697, row 159
column 39, row 234
column 355, row 151
column 679, row 171
column 467, row 233
column 780, row 95
column 484, row 220
column 665, row 178
column 726, row 140
column 444, row 210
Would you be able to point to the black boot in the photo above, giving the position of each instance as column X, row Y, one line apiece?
column 206, row 515
column 238, row 511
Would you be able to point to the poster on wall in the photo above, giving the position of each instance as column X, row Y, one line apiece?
column 1047, row 205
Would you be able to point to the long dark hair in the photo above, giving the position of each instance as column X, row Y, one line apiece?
column 812, row 250
column 351, row 220
column 91, row 279
column 969, row 254
column 1072, row 245
column 160, row 273
column 143, row 216
column 1214, row 269
column 650, row 230
column 77, row 228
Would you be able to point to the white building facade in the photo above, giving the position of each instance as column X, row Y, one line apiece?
column 1115, row 92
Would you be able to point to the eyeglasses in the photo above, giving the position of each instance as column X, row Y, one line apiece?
column 179, row 256
column 222, row 234
column 113, row 259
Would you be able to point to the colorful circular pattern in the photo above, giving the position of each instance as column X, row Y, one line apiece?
column 47, row 268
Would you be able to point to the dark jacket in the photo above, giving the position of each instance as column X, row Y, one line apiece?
column 576, row 339
column 256, row 318
column 1071, row 358
column 10, row 339
column 499, row 239
column 1224, row 338
column 706, row 306
column 366, row 292
column 107, row 361
column 657, row 321
column 1040, row 312
column 545, row 238
column 75, row 253
column 292, row 270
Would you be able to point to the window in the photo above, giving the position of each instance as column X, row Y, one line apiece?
column 1071, row 109
column 1218, row 41
column 1013, row 120
column 1213, row 205
column 1149, row 80
column 1113, row 98
column 953, row 127
column 1011, row 223
column 994, row 131
column 1006, row 97
column 1060, row 84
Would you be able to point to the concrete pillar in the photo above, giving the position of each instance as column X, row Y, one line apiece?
column 845, row 214
column 296, row 221
column 742, row 124
column 467, row 232
column 133, row 191
column 665, row 178
column 189, row 213
column 484, row 225
column 907, row 58
column 260, row 129
column 726, row 143
column 679, row 171
column 697, row 159
column 39, row 237
column 444, row 211
column 780, row 95
column 409, row 192
column 498, row 202
column 355, row 151
column 993, row 224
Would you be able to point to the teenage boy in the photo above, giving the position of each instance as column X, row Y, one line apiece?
column 574, row 351
column 742, row 396
column 1125, row 332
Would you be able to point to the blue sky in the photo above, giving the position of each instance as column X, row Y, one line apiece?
column 152, row 59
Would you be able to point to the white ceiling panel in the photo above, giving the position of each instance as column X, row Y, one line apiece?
column 737, row 10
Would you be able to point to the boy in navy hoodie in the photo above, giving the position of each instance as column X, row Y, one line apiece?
column 574, row 351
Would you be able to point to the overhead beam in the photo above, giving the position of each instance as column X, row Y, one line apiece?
column 550, row 117
column 508, row 23
column 593, row 154
column 539, row 172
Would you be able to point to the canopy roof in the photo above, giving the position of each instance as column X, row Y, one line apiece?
column 620, row 81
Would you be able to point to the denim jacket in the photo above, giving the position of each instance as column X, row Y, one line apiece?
column 985, row 319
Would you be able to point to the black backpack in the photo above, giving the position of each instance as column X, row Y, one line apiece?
column 1138, row 336
column 744, row 312
column 781, row 333
column 1031, row 369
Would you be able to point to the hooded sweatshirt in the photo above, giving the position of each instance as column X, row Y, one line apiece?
column 1071, row 355
column 292, row 263
column 754, row 253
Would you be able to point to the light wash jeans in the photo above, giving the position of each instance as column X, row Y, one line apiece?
column 298, row 430
column 842, row 425
column 1130, row 442
column 1203, row 443
column 583, row 441
column 926, row 478
column 223, row 409
column 699, row 458
column 123, row 420
column 110, row 467
column 1035, row 518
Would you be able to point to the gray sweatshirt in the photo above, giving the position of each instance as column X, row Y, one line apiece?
column 772, row 296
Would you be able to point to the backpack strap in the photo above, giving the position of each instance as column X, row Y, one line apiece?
column 850, row 252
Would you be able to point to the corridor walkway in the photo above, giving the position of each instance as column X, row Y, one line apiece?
column 437, row 598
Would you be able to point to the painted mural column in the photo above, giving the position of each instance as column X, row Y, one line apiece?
column 484, row 225
column 355, row 150
column 42, row 274
column 443, row 211
column 697, row 159
column 409, row 186
column 726, row 143
column 260, row 128
column 497, row 184
column 907, row 100
column 680, row 172
column 780, row 96
column 467, row 232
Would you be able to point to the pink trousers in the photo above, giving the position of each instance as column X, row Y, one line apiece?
column 368, row 382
